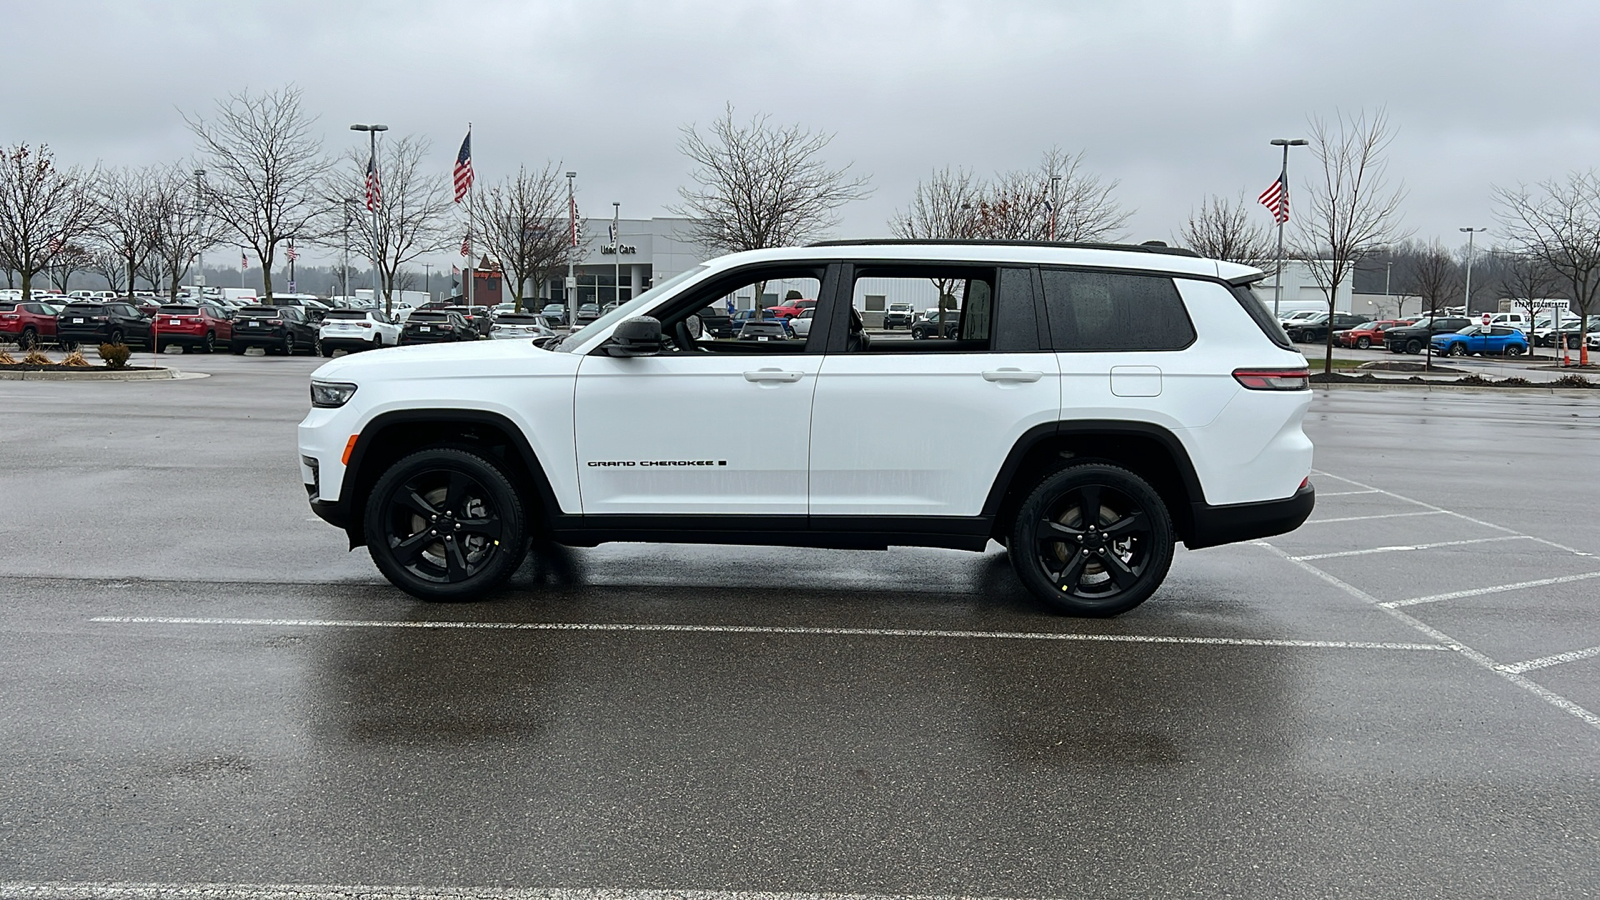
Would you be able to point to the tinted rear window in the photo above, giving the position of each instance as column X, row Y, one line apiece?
column 359, row 315
column 1263, row 317
column 180, row 310
column 1114, row 311
column 429, row 317
column 85, row 309
column 267, row 311
column 518, row 318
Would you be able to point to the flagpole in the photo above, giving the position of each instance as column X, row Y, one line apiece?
column 616, row 251
column 471, row 250
column 1283, row 202
column 571, row 287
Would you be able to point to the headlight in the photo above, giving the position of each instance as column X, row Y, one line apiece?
column 331, row 394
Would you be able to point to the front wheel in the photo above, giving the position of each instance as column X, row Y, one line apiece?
column 1363, row 343
column 28, row 340
column 1092, row 540
column 1515, row 349
column 1458, row 349
column 1413, row 346
column 445, row 524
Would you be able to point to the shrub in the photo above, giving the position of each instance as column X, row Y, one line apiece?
column 115, row 355
column 75, row 359
column 37, row 358
column 7, row 359
column 1573, row 381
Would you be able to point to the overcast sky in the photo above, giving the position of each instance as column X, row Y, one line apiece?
column 1175, row 100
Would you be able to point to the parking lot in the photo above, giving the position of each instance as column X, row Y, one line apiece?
column 201, row 686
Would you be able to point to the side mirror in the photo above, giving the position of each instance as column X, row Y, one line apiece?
column 638, row 336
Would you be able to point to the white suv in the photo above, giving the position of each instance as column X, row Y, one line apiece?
column 1095, row 405
column 357, row 329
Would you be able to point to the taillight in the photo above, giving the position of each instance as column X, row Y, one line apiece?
column 366, row 324
column 274, row 321
column 1274, row 379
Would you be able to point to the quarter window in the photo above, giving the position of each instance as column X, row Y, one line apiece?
column 1114, row 311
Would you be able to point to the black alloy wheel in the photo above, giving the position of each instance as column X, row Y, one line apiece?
column 316, row 348
column 28, row 340
column 288, row 345
column 1413, row 346
column 1363, row 343
column 445, row 524
column 1092, row 540
column 115, row 337
column 237, row 348
column 209, row 343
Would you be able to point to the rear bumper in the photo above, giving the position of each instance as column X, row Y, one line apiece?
column 1216, row 525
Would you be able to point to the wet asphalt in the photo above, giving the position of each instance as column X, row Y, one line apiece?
column 199, row 685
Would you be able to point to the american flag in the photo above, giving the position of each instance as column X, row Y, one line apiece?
column 290, row 253
column 374, row 189
column 1276, row 199
column 244, row 261
column 463, row 172
column 466, row 245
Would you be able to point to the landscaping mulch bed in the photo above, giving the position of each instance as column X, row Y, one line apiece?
column 1571, row 381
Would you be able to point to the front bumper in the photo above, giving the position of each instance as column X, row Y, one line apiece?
column 1230, row 524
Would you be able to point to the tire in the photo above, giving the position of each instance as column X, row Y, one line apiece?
column 1515, row 350
column 1413, row 346
column 403, row 524
column 28, row 339
column 316, row 348
column 209, row 343
column 1068, row 562
column 1459, row 348
column 114, row 338
column 236, row 348
column 323, row 351
column 1363, row 343
column 288, row 345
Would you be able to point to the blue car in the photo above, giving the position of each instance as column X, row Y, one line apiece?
column 1501, row 340
column 736, row 323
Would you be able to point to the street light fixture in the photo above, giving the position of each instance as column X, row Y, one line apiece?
column 1466, row 307
column 372, row 132
column 1283, row 185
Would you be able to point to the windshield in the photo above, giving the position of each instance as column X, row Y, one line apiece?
column 626, row 310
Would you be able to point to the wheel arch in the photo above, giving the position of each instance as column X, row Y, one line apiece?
column 1148, row 450
column 393, row 435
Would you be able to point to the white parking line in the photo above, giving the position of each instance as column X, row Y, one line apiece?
column 764, row 629
column 1321, row 494
column 1366, row 518
column 1509, row 537
column 117, row 890
column 1499, row 588
column 1475, row 657
column 1545, row 662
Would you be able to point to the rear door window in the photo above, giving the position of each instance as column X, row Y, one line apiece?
column 1096, row 311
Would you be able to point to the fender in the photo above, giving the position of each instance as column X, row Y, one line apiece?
column 1039, row 434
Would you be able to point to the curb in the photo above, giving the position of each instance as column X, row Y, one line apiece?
column 1460, row 388
column 94, row 374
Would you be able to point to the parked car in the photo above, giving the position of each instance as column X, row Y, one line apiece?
column 200, row 326
column 1412, row 338
column 519, row 326
column 740, row 317
column 477, row 316
column 313, row 308
column 789, row 308
column 765, row 330
column 102, row 322
column 357, row 329
column 898, row 315
column 433, row 326
column 801, row 324
column 1502, row 340
column 1367, row 334
column 1314, row 329
column 28, row 324
column 554, row 314
column 1299, row 316
column 279, row 329
column 587, row 313
column 1570, row 331
column 931, row 324
column 716, row 322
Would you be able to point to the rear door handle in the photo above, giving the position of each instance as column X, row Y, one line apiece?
column 773, row 375
column 1010, row 375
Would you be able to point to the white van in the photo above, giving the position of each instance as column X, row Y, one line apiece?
column 1513, row 319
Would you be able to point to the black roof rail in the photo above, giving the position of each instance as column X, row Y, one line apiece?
column 1148, row 247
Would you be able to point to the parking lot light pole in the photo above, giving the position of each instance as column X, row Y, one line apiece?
column 1467, row 303
column 1283, row 177
column 373, row 202
column 571, row 286
column 199, row 245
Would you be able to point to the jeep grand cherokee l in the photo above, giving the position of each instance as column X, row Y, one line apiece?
column 1097, row 404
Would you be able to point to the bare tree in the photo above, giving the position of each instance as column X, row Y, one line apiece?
column 758, row 185
column 267, row 166
column 44, row 210
column 1559, row 224
column 127, row 217
column 183, row 229
column 1350, row 210
column 943, row 208
column 522, row 222
column 1223, row 229
column 69, row 260
column 1058, row 198
column 411, row 217
column 1436, row 277
column 1526, row 280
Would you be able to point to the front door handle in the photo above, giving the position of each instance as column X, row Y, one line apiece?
column 1012, row 375
column 773, row 375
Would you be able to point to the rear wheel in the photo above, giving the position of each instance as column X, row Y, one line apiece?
column 445, row 524
column 114, row 338
column 288, row 345
column 209, row 343
column 1363, row 343
column 1459, row 348
column 1092, row 540
column 236, row 348
column 1515, row 349
column 28, row 340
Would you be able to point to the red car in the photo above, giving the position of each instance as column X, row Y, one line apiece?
column 790, row 308
column 200, row 327
column 1369, row 334
column 28, row 324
